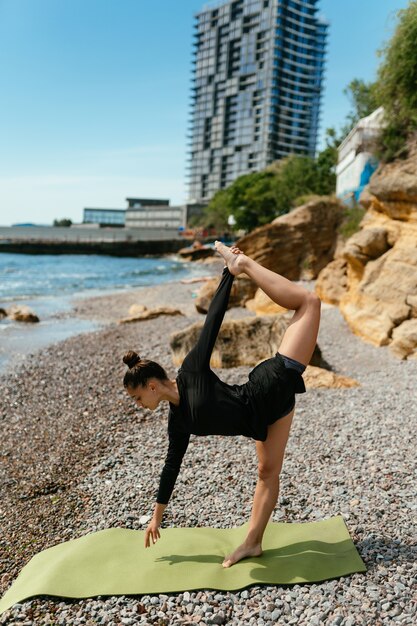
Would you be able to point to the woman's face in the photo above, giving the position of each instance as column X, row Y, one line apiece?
column 145, row 396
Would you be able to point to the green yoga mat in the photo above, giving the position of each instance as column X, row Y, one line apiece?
column 115, row 561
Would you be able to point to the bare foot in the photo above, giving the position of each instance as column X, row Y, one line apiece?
column 233, row 257
column 242, row 552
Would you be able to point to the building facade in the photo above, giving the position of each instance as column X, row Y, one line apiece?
column 145, row 213
column 356, row 157
column 257, row 77
column 137, row 203
column 104, row 217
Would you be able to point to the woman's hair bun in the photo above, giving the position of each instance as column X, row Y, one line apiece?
column 131, row 358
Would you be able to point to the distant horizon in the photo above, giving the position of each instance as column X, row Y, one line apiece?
column 88, row 125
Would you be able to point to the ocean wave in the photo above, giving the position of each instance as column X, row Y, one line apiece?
column 48, row 275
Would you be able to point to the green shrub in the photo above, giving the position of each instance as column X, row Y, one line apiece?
column 351, row 221
column 304, row 199
column 257, row 198
column 397, row 85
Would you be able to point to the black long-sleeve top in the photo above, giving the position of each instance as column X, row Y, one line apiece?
column 208, row 406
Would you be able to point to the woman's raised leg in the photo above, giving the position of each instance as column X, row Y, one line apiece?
column 301, row 335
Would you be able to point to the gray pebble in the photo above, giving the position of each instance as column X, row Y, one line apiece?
column 218, row 618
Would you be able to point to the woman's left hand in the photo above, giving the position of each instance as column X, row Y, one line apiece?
column 152, row 531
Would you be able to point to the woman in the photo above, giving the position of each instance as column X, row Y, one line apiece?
column 262, row 408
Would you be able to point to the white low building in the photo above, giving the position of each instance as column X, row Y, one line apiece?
column 356, row 157
column 163, row 217
column 145, row 213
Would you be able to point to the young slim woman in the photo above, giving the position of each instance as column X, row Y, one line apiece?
column 262, row 408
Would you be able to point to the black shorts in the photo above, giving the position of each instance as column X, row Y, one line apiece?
column 274, row 383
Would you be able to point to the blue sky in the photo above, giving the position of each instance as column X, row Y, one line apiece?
column 95, row 97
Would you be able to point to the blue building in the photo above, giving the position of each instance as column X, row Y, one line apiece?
column 257, row 78
column 357, row 159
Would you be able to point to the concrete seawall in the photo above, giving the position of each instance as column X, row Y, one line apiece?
column 110, row 241
column 133, row 249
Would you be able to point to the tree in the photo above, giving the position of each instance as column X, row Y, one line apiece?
column 63, row 222
column 257, row 198
column 253, row 200
column 364, row 99
column 326, row 170
column 296, row 176
column 248, row 199
column 397, row 84
column 216, row 214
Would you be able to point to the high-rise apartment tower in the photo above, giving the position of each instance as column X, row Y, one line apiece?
column 257, row 77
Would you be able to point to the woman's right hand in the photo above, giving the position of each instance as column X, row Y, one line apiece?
column 152, row 532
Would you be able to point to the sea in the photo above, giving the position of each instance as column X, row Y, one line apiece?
column 49, row 283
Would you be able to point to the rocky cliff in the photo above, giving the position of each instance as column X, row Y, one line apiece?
column 299, row 244
column 296, row 245
column 374, row 277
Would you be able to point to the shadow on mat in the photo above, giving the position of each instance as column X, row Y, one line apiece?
column 301, row 549
column 172, row 559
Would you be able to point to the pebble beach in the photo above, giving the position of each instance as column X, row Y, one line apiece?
column 78, row 456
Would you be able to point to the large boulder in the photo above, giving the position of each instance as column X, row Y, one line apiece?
column 141, row 314
column 299, row 244
column 22, row 313
column 332, row 281
column 404, row 339
column 365, row 245
column 196, row 252
column 243, row 289
column 395, row 186
column 261, row 304
column 137, row 309
column 246, row 341
column 379, row 301
column 319, row 378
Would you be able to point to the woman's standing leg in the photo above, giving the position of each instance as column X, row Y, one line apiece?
column 270, row 459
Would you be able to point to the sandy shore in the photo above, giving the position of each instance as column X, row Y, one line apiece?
column 66, row 422
column 113, row 307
